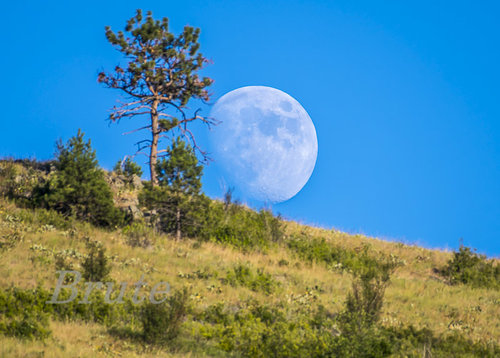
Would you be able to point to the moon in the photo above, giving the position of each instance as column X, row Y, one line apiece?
column 265, row 143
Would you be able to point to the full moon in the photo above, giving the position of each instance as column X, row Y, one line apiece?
column 265, row 143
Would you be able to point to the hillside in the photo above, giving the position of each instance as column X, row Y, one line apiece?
column 297, row 277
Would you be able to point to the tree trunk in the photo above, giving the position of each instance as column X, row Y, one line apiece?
column 153, row 156
column 178, row 224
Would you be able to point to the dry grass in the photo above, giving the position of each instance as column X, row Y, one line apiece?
column 416, row 295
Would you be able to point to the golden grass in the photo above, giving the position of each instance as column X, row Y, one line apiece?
column 416, row 295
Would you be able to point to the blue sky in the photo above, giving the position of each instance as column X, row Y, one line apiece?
column 404, row 97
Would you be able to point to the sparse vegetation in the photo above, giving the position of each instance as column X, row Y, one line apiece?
column 258, row 287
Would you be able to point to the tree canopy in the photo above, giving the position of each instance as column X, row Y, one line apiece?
column 159, row 80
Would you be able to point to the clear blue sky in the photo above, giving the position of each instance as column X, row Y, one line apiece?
column 404, row 96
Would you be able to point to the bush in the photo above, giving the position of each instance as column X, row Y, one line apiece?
column 412, row 342
column 363, row 307
column 19, row 317
column 257, row 330
column 161, row 323
column 9, row 186
column 62, row 263
column 95, row 265
column 179, row 208
column 29, row 326
column 241, row 227
column 138, row 234
column 468, row 267
column 252, row 329
column 78, row 187
column 319, row 250
column 16, row 302
column 19, row 178
column 242, row 275
column 42, row 217
column 364, row 302
column 10, row 240
column 283, row 262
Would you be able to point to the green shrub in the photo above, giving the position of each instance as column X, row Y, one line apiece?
column 29, row 326
column 258, row 280
column 364, row 302
column 179, row 208
column 51, row 217
column 138, row 234
column 241, row 227
column 64, row 264
column 41, row 218
column 319, row 250
column 255, row 330
column 19, row 317
column 15, row 302
column 363, row 307
column 10, row 240
column 95, row 264
column 412, row 342
column 19, row 178
column 283, row 262
column 10, row 185
column 161, row 323
column 468, row 267
column 251, row 329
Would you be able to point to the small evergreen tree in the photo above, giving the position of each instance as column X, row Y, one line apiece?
column 177, row 200
column 78, row 187
column 128, row 168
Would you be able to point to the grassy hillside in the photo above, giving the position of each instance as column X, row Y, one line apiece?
column 293, row 277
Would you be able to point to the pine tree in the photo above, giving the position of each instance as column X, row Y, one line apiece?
column 128, row 167
column 160, row 77
column 78, row 187
column 177, row 200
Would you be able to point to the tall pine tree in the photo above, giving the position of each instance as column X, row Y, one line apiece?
column 160, row 77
